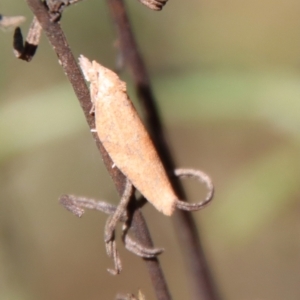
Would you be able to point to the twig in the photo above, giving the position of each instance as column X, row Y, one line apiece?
column 142, row 234
column 58, row 41
column 202, row 284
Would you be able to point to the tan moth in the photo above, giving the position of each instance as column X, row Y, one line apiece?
column 125, row 138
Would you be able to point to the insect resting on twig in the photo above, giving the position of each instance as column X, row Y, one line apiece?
column 127, row 142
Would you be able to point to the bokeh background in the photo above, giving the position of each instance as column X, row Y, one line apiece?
column 227, row 79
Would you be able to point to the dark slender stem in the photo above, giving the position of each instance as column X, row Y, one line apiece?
column 156, row 274
column 59, row 43
column 202, row 284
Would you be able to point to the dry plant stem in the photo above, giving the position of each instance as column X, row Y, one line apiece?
column 72, row 71
column 142, row 234
column 202, row 284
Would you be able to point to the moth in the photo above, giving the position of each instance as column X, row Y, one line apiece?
column 127, row 141
column 125, row 138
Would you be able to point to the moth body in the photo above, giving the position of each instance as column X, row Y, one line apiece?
column 125, row 138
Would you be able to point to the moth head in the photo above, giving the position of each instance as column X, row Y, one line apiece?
column 104, row 82
column 87, row 68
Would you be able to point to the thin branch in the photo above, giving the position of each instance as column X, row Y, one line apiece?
column 202, row 283
column 142, row 234
column 59, row 43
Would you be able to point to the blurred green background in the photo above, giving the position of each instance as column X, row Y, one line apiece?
column 227, row 79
